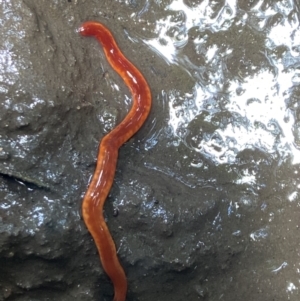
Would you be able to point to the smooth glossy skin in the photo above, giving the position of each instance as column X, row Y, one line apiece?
column 92, row 207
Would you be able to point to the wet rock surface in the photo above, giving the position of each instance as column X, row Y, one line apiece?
column 205, row 203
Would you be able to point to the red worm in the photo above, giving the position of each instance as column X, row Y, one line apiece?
column 94, row 199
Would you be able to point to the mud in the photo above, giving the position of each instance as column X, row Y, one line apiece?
column 205, row 203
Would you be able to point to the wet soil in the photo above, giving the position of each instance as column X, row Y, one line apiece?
column 196, row 212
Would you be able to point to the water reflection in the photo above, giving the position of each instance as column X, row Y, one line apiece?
column 255, row 86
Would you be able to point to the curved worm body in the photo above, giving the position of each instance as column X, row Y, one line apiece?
column 94, row 199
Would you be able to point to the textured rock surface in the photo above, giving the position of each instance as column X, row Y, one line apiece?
column 196, row 213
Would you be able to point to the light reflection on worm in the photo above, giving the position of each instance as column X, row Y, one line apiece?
column 92, row 207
